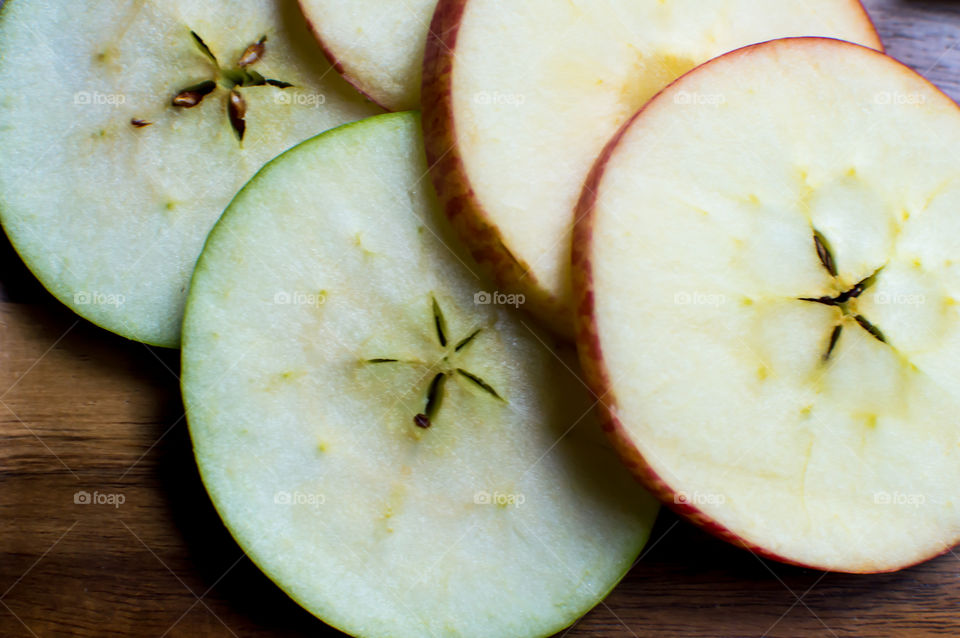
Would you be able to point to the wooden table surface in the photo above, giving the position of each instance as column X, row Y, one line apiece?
column 81, row 409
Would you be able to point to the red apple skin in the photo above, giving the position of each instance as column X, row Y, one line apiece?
column 470, row 221
column 335, row 61
column 877, row 44
column 594, row 367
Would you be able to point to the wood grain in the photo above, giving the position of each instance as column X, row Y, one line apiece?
column 83, row 410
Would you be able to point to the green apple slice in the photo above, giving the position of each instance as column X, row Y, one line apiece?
column 120, row 139
column 519, row 101
column 769, row 290
column 401, row 460
column 376, row 44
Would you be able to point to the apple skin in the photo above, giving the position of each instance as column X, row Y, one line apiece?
column 876, row 45
column 466, row 214
column 595, row 370
column 334, row 60
column 470, row 221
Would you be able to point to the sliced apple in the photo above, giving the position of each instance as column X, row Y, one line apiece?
column 767, row 288
column 519, row 101
column 126, row 128
column 399, row 459
column 377, row 45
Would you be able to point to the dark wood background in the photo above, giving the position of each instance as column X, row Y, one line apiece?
column 81, row 409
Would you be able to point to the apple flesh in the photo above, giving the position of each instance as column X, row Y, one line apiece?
column 767, row 296
column 399, row 459
column 519, row 103
column 120, row 139
column 377, row 45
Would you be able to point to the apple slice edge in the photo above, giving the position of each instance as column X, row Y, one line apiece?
column 461, row 206
column 591, row 353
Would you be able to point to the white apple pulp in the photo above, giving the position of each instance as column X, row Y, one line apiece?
column 812, row 416
column 520, row 98
column 376, row 44
column 325, row 306
column 107, row 190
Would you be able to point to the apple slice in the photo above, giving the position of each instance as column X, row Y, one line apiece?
column 518, row 104
column 767, row 288
column 377, row 45
column 399, row 459
column 127, row 127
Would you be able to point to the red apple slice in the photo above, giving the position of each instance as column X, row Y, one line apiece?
column 377, row 45
column 519, row 101
column 767, row 281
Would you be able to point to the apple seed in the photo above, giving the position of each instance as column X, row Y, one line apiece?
column 191, row 96
column 237, row 109
column 253, row 53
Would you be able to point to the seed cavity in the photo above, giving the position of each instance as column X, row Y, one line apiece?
column 843, row 298
column 480, row 383
column 834, row 338
column 204, row 48
column 440, row 323
column 435, row 396
column 869, row 327
column 466, row 342
column 840, row 301
column 435, row 390
column 827, row 301
column 825, row 253
column 232, row 79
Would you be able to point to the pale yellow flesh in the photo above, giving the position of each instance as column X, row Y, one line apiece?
column 112, row 217
column 330, row 258
column 703, row 248
column 540, row 86
column 378, row 44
